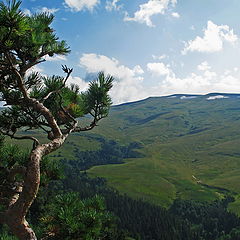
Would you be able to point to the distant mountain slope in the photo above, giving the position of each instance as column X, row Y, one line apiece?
column 191, row 146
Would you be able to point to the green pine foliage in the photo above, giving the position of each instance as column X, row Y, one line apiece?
column 28, row 35
column 69, row 217
column 25, row 42
column 96, row 95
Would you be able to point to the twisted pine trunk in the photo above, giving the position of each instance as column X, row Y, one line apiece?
column 14, row 217
column 22, row 230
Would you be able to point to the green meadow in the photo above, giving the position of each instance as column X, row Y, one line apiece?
column 190, row 146
column 189, row 149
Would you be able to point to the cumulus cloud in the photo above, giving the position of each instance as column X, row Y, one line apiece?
column 41, row 10
column 210, row 75
column 205, row 82
column 128, row 82
column 176, row 15
column 35, row 68
column 203, row 66
column 79, row 5
column 155, row 57
column 83, row 85
column 27, row 12
column 138, row 70
column 170, row 83
column 158, row 68
column 113, row 5
column 148, row 10
column 227, row 72
column 212, row 40
column 55, row 58
column 47, row 10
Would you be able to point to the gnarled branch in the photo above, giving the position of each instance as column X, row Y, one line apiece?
column 66, row 70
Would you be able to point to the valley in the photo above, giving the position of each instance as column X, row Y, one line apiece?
column 188, row 148
column 186, row 140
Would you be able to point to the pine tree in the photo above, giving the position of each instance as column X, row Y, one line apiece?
column 37, row 102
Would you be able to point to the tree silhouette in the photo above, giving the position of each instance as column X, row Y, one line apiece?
column 37, row 102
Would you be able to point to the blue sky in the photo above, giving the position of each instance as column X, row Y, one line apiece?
column 151, row 47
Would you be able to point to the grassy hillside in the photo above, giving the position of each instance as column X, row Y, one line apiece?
column 190, row 143
column 190, row 148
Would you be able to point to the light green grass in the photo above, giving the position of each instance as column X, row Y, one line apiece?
column 192, row 138
column 235, row 206
column 184, row 141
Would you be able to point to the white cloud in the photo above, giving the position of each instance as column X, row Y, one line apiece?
column 40, row 10
column 159, row 57
column 176, row 15
column 209, row 74
column 138, row 70
column 27, row 12
column 48, row 10
column 213, row 39
column 191, row 84
column 113, row 5
column 227, row 72
column 203, row 66
column 35, row 68
column 158, row 68
column 55, row 58
column 172, row 84
column 128, row 82
column 95, row 63
column 149, row 9
column 83, row 85
column 204, row 82
column 78, row 5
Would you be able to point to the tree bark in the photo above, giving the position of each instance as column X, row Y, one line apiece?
column 19, row 205
column 14, row 217
column 21, row 229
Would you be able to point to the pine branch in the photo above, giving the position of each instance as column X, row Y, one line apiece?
column 12, row 135
column 66, row 70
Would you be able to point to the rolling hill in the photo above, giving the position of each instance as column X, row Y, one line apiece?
column 189, row 148
column 190, row 145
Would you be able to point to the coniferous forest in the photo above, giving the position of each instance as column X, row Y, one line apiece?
column 86, row 207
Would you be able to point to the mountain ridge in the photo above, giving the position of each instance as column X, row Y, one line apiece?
column 181, row 95
column 181, row 138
